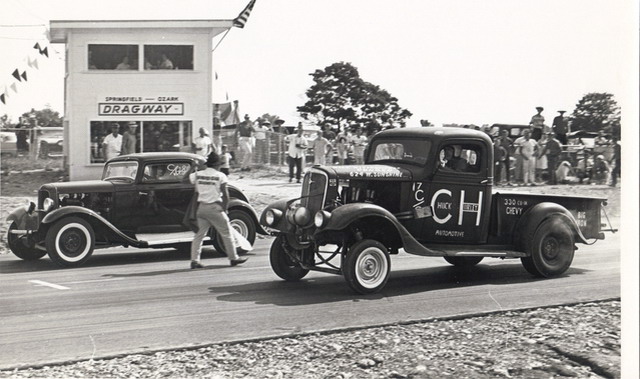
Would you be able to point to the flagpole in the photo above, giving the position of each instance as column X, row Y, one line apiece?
column 221, row 39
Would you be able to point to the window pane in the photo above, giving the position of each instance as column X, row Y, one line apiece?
column 168, row 57
column 107, row 139
column 166, row 172
column 113, row 57
column 161, row 136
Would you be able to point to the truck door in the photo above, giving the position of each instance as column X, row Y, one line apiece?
column 460, row 194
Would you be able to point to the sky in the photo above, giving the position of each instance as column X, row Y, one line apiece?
column 459, row 61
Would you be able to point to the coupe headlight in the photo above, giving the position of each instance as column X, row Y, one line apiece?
column 321, row 219
column 272, row 216
column 47, row 204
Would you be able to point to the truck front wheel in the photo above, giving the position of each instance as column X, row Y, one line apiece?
column 367, row 266
column 282, row 264
column 551, row 249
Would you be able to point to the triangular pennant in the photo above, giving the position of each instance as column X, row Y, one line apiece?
column 37, row 46
column 2, row 99
column 24, row 75
column 45, row 52
column 29, row 62
column 14, row 88
column 16, row 75
column 35, row 63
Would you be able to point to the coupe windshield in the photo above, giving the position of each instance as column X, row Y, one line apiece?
column 412, row 151
column 120, row 171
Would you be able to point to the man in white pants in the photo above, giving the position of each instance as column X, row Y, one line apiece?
column 213, row 198
column 528, row 149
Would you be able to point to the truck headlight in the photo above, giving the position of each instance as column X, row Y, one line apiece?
column 47, row 204
column 321, row 219
column 302, row 216
column 272, row 216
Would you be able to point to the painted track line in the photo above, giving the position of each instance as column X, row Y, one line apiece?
column 47, row 284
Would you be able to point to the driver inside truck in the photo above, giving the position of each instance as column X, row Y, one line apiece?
column 450, row 159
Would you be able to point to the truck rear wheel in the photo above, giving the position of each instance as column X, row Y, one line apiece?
column 70, row 241
column 21, row 250
column 282, row 264
column 367, row 266
column 463, row 261
column 551, row 249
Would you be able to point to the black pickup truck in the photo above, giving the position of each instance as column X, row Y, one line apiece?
column 427, row 191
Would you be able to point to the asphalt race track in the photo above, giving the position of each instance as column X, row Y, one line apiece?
column 125, row 300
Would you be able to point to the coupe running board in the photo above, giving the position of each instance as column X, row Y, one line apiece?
column 157, row 239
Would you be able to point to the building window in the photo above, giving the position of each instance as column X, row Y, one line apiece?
column 127, row 139
column 113, row 57
column 168, row 57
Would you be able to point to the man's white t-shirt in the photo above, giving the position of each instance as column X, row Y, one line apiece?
column 202, row 145
column 208, row 184
column 113, row 145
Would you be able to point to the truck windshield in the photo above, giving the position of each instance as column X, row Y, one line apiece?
column 412, row 151
column 120, row 171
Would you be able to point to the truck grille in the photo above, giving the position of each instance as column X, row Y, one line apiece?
column 314, row 190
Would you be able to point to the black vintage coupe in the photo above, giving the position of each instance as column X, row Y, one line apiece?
column 140, row 201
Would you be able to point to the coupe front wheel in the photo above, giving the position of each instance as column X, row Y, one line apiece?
column 243, row 224
column 367, row 266
column 70, row 241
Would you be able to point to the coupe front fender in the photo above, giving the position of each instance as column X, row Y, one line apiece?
column 23, row 219
column 92, row 217
column 235, row 203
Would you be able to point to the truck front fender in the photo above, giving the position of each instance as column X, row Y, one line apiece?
column 236, row 203
column 348, row 214
column 93, row 218
column 535, row 215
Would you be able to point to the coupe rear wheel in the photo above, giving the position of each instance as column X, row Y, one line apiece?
column 367, row 266
column 551, row 249
column 282, row 264
column 17, row 246
column 243, row 224
column 70, row 241
column 463, row 261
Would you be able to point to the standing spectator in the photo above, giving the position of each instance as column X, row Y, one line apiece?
column 541, row 158
column 295, row 152
column 342, row 147
column 213, row 199
column 204, row 145
column 244, row 133
column 112, row 143
column 124, row 65
column 560, row 127
column 601, row 139
column 615, row 173
column 528, row 149
column 225, row 159
column 552, row 150
column 327, row 131
column 499, row 157
column 537, row 124
column 262, row 151
column 321, row 148
column 600, row 170
column 517, row 153
column 359, row 143
column 128, row 140
column 507, row 144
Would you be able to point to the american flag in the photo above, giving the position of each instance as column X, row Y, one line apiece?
column 242, row 18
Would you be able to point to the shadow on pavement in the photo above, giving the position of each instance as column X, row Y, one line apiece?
column 332, row 288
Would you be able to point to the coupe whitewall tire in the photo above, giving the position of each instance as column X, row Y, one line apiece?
column 70, row 241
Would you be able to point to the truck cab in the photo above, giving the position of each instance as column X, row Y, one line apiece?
column 429, row 192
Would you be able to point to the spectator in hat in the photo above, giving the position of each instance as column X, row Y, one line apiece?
column 537, row 124
column 321, row 149
column 560, row 127
column 552, row 151
column 507, row 144
column 213, row 199
column 244, row 133
column 359, row 143
column 112, row 143
column 262, row 150
column 600, row 171
column 295, row 152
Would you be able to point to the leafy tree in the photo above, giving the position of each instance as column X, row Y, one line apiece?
column 340, row 96
column 45, row 117
column 595, row 112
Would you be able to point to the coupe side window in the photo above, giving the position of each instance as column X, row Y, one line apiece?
column 166, row 172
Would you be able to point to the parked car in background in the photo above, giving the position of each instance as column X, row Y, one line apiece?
column 8, row 144
column 51, row 141
column 140, row 201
